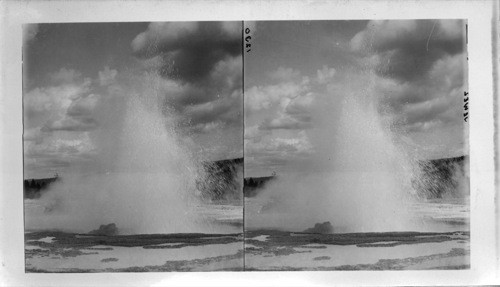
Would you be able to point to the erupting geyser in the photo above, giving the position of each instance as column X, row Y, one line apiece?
column 144, row 180
column 359, row 179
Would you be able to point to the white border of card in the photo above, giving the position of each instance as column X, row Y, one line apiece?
column 481, row 19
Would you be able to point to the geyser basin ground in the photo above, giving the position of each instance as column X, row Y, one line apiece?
column 57, row 251
column 48, row 251
column 288, row 251
column 264, row 250
column 441, row 242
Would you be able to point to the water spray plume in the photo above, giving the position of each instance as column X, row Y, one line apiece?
column 144, row 181
column 360, row 180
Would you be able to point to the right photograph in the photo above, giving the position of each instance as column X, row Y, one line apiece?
column 356, row 145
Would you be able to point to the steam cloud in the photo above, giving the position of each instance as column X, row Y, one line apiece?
column 144, row 182
column 361, row 179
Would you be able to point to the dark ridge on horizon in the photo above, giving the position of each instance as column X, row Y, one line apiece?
column 222, row 181
column 437, row 179
column 446, row 160
column 253, row 185
column 33, row 188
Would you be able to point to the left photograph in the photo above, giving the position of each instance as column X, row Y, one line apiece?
column 133, row 147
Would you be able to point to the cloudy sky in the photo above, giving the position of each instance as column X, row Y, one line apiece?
column 76, row 77
column 415, row 71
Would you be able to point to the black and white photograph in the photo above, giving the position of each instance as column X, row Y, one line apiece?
column 249, row 143
column 133, row 147
column 356, row 145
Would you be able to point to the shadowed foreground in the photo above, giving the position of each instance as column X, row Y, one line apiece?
column 270, row 250
column 70, row 252
column 266, row 250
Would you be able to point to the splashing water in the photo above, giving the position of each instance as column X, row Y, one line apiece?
column 144, row 182
column 360, row 180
